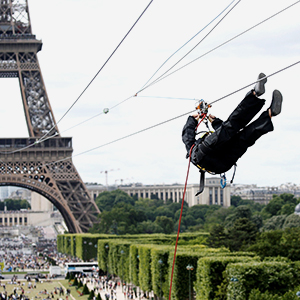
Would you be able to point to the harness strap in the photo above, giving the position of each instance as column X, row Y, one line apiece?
column 231, row 181
column 201, row 186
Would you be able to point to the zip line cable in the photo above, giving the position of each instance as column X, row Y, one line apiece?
column 100, row 69
column 85, row 121
column 217, row 100
column 175, row 53
column 187, row 43
column 43, row 138
column 172, row 119
column 161, row 76
column 283, row 69
column 219, row 46
column 123, row 138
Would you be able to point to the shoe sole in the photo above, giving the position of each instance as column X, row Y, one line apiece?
column 260, row 85
column 276, row 103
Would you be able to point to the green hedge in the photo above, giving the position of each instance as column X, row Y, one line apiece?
column 102, row 255
column 79, row 245
column 182, row 277
column 210, row 274
column 274, row 277
column 257, row 295
column 134, row 264
column 144, row 253
column 160, row 269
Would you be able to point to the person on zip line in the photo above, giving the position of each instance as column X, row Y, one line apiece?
column 219, row 151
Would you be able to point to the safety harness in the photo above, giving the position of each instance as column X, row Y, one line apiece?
column 202, row 108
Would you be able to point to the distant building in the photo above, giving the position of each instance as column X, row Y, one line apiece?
column 263, row 195
column 29, row 218
column 6, row 191
column 40, row 203
column 213, row 194
column 42, row 211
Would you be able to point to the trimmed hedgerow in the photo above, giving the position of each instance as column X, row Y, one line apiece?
column 274, row 277
column 210, row 274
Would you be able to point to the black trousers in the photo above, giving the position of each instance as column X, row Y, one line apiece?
column 221, row 150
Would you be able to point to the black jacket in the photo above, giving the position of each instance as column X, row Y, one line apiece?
column 214, row 159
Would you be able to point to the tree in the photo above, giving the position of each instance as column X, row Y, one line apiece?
column 218, row 217
column 85, row 290
column 12, row 204
column 278, row 243
column 241, row 234
column 240, row 212
column 274, row 206
column 98, row 297
column 107, row 200
column 166, row 224
column 291, row 221
column 217, row 238
column 91, row 295
column 268, row 244
column 235, row 200
column 257, row 220
column 282, row 204
column 287, row 209
column 149, row 227
column 75, row 282
column 80, row 284
column 274, row 223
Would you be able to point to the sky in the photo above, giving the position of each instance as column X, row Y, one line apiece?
column 80, row 35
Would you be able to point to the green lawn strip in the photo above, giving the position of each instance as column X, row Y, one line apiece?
column 76, row 293
column 49, row 286
column 41, row 286
column 34, row 293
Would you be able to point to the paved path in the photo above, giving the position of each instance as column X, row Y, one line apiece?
column 119, row 295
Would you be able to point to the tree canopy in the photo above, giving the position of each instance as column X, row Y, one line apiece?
column 12, row 204
column 235, row 227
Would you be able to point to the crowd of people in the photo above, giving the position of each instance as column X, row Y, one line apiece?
column 22, row 291
column 21, row 255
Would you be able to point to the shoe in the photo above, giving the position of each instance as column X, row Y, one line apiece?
column 259, row 88
column 276, row 103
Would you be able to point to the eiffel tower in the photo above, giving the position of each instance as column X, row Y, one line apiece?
column 37, row 162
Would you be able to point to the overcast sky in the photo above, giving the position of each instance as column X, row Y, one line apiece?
column 79, row 35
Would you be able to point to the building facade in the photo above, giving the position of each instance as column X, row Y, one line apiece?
column 29, row 218
column 213, row 193
column 263, row 195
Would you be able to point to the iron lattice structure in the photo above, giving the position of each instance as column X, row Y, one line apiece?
column 45, row 166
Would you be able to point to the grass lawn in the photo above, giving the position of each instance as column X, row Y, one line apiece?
column 49, row 286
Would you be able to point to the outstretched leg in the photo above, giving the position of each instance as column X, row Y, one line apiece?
column 251, row 133
column 239, row 118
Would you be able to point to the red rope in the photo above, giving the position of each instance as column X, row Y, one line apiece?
column 182, row 203
column 186, row 180
column 203, row 117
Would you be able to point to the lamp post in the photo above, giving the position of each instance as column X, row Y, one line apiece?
column 234, row 279
column 106, row 247
column 122, row 252
column 160, row 267
column 96, row 246
column 74, row 246
column 190, row 268
column 137, row 267
column 89, row 252
column 84, row 258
